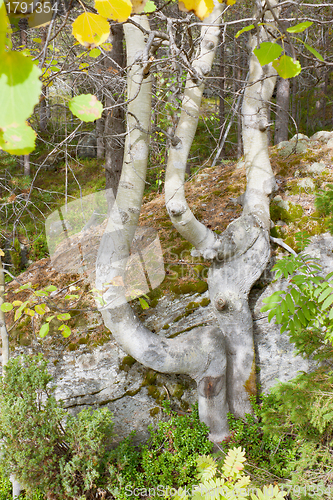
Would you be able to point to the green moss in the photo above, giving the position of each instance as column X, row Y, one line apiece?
column 185, row 246
column 133, row 392
column 276, row 232
column 149, row 378
column 185, row 330
column 72, row 346
column 205, row 302
column 126, row 363
column 294, row 212
column 293, row 187
column 83, row 340
column 166, row 327
column 178, row 318
column 154, row 411
column 178, row 391
column 153, row 392
column 233, row 188
column 184, row 405
column 154, row 297
column 190, row 287
column 191, row 306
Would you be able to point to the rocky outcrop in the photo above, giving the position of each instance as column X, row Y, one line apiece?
column 107, row 376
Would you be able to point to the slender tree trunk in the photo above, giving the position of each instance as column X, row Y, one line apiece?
column 239, row 117
column 3, row 329
column 114, row 122
column 222, row 114
column 282, row 110
column 43, row 112
column 100, row 127
column 16, row 488
column 293, row 100
column 23, row 25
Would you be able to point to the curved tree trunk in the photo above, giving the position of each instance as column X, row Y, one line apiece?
column 221, row 358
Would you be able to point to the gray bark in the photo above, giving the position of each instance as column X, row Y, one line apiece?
column 3, row 329
column 114, row 121
column 282, row 110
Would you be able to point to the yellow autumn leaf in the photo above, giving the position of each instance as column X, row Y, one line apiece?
column 29, row 312
column 91, row 30
column 138, row 6
column 118, row 10
column 201, row 8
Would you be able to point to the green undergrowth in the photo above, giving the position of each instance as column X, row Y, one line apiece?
column 167, row 459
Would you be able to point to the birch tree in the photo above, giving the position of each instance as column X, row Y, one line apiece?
column 221, row 358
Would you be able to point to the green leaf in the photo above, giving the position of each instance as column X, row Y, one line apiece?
column 94, row 53
column 19, row 311
column 306, row 312
column 143, row 303
column 65, row 330
column 50, row 318
column 6, row 307
column 325, row 293
column 243, row 30
column 295, row 295
column 149, row 7
column 299, row 28
column 44, row 330
column 64, row 316
column 271, row 315
column 19, row 88
column 51, row 288
column 330, row 316
column 40, row 309
column 86, row 107
column 41, row 293
column 267, row 52
column 287, row 67
column 290, row 304
column 291, row 326
column 278, row 316
column 301, row 317
column 314, row 52
column 327, row 303
column 297, row 323
column 25, row 286
column 18, row 139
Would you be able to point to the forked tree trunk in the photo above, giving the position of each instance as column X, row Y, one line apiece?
column 220, row 358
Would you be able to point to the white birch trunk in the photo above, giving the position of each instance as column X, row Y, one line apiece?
column 220, row 359
column 199, row 353
column 3, row 329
